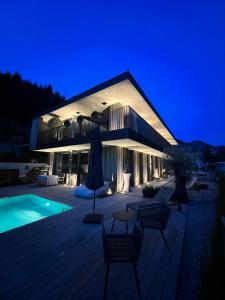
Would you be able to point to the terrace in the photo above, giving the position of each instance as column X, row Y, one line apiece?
column 61, row 258
column 78, row 129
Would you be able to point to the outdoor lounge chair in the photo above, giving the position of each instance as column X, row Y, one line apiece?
column 122, row 248
column 155, row 217
column 163, row 196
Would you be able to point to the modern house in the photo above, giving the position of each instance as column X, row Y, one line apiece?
column 132, row 132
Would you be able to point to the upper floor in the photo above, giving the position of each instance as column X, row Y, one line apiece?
column 118, row 106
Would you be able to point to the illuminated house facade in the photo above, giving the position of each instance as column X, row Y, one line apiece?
column 132, row 133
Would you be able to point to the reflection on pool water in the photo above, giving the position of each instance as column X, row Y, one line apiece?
column 24, row 209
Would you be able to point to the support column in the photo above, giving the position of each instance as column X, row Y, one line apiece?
column 145, row 169
column 149, row 168
column 161, row 166
column 136, row 169
column 79, row 168
column 51, row 162
column 158, row 159
column 153, row 165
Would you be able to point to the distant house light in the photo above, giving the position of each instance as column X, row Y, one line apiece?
column 104, row 103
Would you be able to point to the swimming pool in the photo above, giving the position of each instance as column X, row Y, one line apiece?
column 24, row 209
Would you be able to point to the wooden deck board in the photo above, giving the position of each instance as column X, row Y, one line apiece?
column 154, row 289
column 61, row 258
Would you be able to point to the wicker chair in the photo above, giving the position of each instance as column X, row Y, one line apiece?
column 155, row 217
column 122, row 248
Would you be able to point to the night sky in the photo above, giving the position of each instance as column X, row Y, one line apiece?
column 174, row 49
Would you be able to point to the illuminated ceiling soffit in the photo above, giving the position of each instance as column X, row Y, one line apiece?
column 123, row 92
column 126, row 143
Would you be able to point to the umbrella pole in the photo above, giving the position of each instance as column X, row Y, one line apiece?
column 93, row 218
column 94, row 202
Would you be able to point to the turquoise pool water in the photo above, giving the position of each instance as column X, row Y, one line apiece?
column 24, row 209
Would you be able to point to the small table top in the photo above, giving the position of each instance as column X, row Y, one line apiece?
column 124, row 215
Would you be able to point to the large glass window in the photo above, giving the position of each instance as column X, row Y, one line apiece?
column 74, row 162
column 84, row 162
column 67, row 163
column 62, row 162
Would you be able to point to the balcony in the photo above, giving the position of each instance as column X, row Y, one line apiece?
column 110, row 120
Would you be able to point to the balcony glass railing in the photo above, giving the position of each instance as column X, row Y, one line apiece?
column 113, row 119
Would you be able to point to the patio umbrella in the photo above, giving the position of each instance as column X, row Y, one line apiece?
column 95, row 175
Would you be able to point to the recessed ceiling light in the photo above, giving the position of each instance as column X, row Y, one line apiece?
column 104, row 103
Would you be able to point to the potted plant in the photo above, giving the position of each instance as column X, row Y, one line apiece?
column 54, row 122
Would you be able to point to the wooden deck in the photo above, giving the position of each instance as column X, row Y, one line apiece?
column 61, row 258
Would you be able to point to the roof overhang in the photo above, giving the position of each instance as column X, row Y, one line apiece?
column 125, row 143
column 121, row 89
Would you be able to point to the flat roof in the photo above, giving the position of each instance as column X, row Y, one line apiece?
column 121, row 89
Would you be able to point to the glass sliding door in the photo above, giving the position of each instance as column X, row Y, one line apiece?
column 61, row 162
column 72, row 162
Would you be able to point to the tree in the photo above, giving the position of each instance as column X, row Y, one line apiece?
column 178, row 154
column 21, row 100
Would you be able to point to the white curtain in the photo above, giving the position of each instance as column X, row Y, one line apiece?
column 119, row 169
column 51, row 162
column 136, row 168
column 116, row 119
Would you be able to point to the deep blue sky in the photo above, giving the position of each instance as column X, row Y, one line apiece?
column 174, row 49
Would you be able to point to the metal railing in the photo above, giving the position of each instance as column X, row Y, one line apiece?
column 124, row 117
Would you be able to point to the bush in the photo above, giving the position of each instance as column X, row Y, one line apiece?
column 149, row 191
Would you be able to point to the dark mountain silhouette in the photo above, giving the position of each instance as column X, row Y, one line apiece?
column 199, row 145
column 209, row 153
column 20, row 101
